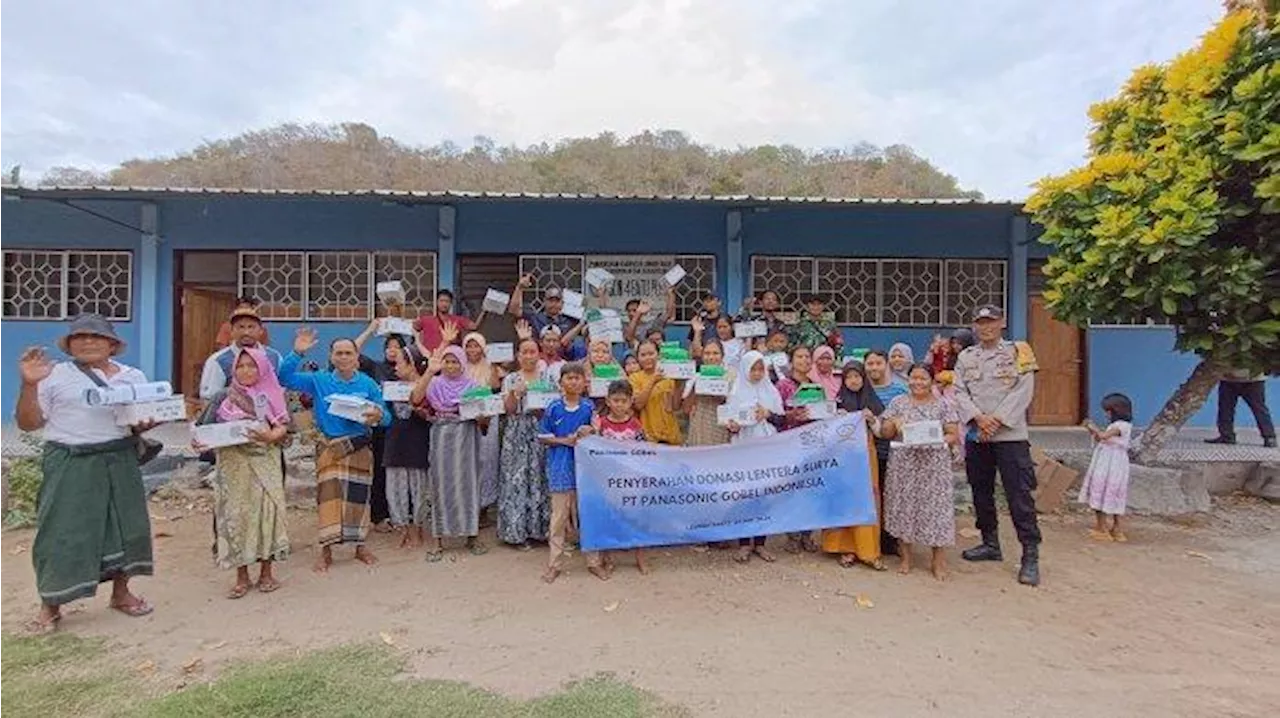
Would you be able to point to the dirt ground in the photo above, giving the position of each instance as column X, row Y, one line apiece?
column 1175, row 623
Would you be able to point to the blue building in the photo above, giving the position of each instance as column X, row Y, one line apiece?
column 167, row 264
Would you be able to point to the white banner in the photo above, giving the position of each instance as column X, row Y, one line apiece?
column 636, row 276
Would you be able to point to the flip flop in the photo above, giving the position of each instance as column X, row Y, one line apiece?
column 268, row 586
column 477, row 549
column 37, row 627
column 137, row 610
column 435, row 556
column 237, row 591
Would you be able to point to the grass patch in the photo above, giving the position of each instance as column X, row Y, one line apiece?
column 63, row 675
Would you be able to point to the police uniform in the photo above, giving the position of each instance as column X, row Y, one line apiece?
column 999, row 381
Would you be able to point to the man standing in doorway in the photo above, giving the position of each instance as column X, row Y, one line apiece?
column 429, row 326
column 224, row 332
column 247, row 332
column 994, row 382
column 1242, row 384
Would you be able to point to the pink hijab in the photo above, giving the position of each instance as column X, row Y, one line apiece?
column 266, row 396
column 830, row 382
column 444, row 394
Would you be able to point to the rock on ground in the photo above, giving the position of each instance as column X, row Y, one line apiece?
column 1265, row 482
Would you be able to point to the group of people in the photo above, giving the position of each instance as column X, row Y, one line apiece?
column 416, row 466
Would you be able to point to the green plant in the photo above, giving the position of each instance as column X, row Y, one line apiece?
column 23, row 476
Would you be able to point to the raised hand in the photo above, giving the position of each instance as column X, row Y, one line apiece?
column 34, row 365
column 643, row 308
column 526, row 280
column 435, row 364
column 698, row 325
column 524, row 330
column 449, row 333
column 305, row 340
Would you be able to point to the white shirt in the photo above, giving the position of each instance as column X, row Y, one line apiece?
column 69, row 419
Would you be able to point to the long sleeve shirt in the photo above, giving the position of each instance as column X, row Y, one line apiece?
column 999, row 382
column 321, row 385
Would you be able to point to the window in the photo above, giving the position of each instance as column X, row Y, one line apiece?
column 334, row 286
column 57, row 285
column 885, row 292
column 638, row 276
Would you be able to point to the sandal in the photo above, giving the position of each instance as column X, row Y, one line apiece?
column 764, row 555
column 1097, row 535
column 135, row 610
column 793, row 545
column 435, row 555
column 550, row 575
column 743, row 555
column 848, row 561
column 268, row 586
column 1119, row 537
column 41, row 627
column 476, row 547
column 237, row 591
column 877, row 565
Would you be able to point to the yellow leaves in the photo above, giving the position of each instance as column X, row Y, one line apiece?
column 1197, row 72
column 1116, row 163
column 1107, row 111
column 1144, row 79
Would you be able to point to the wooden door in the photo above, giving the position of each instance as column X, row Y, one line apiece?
column 477, row 273
column 203, row 313
column 1058, row 383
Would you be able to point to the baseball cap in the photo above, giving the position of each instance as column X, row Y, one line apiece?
column 988, row 311
column 552, row 293
column 245, row 311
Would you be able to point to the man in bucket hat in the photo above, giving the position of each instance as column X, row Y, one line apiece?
column 92, row 525
column 994, row 381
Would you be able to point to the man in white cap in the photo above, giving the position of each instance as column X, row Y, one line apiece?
column 995, row 379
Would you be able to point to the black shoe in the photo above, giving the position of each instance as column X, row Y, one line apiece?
column 1029, row 574
column 983, row 552
column 1269, row 442
column 1221, row 440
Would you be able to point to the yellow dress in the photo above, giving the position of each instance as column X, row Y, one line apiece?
column 861, row 541
column 659, row 422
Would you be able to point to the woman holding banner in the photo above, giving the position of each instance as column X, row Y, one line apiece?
column 860, row 543
column 753, row 393
column 801, row 366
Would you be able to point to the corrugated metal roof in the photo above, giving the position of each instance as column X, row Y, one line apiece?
column 86, row 192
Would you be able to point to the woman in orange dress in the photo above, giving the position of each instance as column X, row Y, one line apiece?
column 859, row 544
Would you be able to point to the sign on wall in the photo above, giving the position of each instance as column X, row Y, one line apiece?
column 636, row 276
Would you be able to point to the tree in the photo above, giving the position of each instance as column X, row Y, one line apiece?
column 1175, row 218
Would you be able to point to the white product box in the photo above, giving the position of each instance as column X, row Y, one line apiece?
column 572, row 298
column 679, row 369
column 391, row 292
column 600, row 386
column 491, row 405
column 500, row 352
column 711, row 386
column 777, row 360
column 597, row 277
column 216, row 436
column 577, row 311
column 744, row 416
column 395, row 325
column 397, row 390
column 128, row 393
column 160, row 411
column 496, row 302
column 820, row 410
column 788, row 318
column 607, row 329
column 748, row 330
column 674, row 275
column 922, row 433
column 349, row 407
column 539, row 399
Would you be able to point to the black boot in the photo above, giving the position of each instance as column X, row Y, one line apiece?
column 1029, row 574
column 988, row 550
column 1269, row 442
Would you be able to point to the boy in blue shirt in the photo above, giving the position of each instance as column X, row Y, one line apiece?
column 564, row 422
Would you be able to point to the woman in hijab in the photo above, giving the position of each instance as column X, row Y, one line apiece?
column 393, row 348
column 900, row 360
column 823, row 372
column 860, row 543
column 249, row 493
column 484, row 373
column 453, row 470
column 755, row 396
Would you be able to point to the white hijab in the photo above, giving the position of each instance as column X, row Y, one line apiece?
column 747, row 394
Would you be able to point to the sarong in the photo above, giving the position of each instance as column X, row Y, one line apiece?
column 91, row 520
column 343, row 486
column 249, row 503
column 454, row 477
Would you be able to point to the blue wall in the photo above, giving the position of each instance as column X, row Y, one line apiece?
column 1141, row 363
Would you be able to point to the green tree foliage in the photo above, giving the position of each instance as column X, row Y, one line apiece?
column 355, row 156
column 1176, row 215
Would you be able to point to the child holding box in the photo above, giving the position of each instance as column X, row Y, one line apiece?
column 619, row 422
column 563, row 423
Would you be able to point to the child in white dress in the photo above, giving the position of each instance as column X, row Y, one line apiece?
column 1106, row 484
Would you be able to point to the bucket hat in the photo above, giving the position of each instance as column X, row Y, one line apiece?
column 93, row 325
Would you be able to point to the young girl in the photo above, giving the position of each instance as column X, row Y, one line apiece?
column 454, row 466
column 900, row 360
column 630, row 364
column 524, row 507
column 619, row 422
column 1106, row 484
column 801, row 365
column 860, row 543
column 730, row 346
column 563, row 423
column 752, row 391
column 919, row 499
column 484, row 373
column 405, row 456
column 824, row 371
column 656, row 398
column 774, row 348
column 701, row 408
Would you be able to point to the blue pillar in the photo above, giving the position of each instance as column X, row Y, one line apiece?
column 735, row 279
column 148, row 315
column 1018, row 300
column 446, row 253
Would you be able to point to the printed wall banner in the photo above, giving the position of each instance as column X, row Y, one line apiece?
column 637, row 494
column 636, row 276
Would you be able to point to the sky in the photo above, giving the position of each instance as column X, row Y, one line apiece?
column 991, row 91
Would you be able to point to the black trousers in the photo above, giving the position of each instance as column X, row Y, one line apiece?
column 379, row 511
column 1017, row 473
column 756, row 541
column 1254, row 394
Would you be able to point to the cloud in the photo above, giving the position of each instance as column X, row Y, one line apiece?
column 992, row 92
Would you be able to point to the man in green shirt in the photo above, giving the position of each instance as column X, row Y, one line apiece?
column 814, row 328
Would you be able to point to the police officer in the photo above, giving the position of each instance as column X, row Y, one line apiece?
column 994, row 382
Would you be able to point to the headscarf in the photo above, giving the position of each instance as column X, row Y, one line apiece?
column 481, row 372
column 444, row 393
column 864, row 398
column 242, row 401
column 905, row 349
column 830, row 382
column 747, row 394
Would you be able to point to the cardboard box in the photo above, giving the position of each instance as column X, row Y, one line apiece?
column 820, row 410
column 679, row 369
column 539, row 399
column 397, row 390
column 607, row 328
column 674, row 275
column 391, row 292
column 726, row 413
column 349, row 407
column 711, row 386
column 173, row 408
column 600, row 386
column 922, row 433
column 217, row 436
column 597, row 277
column 128, row 393
column 748, row 330
column 395, row 325
column 1053, row 480
column 491, row 405
column 500, row 352
column 573, row 310
column 496, row 302
column 572, row 298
